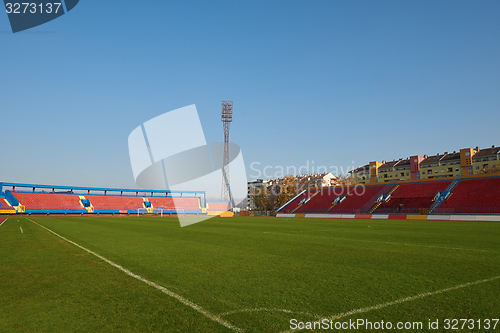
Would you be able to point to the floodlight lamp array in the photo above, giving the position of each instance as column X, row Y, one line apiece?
column 227, row 111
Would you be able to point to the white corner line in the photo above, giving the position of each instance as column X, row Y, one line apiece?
column 150, row 283
column 399, row 301
column 21, row 230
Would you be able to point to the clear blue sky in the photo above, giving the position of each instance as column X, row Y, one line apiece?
column 340, row 83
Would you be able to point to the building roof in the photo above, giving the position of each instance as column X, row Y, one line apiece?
column 361, row 168
column 432, row 159
column 451, row 156
column 405, row 162
column 487, row 152
column 388, row 164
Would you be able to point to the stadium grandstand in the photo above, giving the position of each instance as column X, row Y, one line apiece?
column 463, row 182
column 50, row 199
column 473, row 194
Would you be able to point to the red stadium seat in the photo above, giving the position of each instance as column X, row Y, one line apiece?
column 474, row 196
column 4, row 205
column 168, row 203
column 110, row 202
column 357, row 199
column 49, row 201
column 410, row 198
column 217, row 206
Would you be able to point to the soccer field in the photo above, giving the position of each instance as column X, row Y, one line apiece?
column 251, row 274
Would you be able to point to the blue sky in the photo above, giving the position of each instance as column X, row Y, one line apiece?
column 324, row 83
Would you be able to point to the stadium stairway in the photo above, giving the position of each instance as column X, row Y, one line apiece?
column 5, row 207
column 413, row 198
column 334, row 202
column 300, row 204
column 354, row 202
column 147, row 205
column 295, row 201
column 333, row 205
column 378, row 203
column 86, row 204
column 368, row 207
column 445, row 194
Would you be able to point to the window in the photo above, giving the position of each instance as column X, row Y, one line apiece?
column 442, row 170
column 450, row 169
column 467, row 153
column 415, row 160
column 436, row 171
column 407, row 173
column 477, row 167
column 456, row 169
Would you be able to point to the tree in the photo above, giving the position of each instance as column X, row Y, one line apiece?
column 287, row 190
column 346, row 180
column 492, row 170
column 262, row 198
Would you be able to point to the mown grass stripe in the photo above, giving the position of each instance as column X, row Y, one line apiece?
column 181, row 299
column 381, row 242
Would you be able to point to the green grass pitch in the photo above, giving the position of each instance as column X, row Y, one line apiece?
column 255, row 273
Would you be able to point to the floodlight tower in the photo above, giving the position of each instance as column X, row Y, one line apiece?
column 227, row 118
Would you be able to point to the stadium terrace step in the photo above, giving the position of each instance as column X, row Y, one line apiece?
column 358, row 199
column 473, row 196
column 412, row 197
column 306, row 200
column 41, row 202
column 216, row 206
column 111, row 203
column 322, row 199
column 172, row 205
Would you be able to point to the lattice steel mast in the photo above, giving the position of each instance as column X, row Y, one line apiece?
column 227, row 118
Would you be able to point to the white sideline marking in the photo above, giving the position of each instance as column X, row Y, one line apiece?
column 270, row 310
column 21, row 230
column 390, row 243
column 152, row 284
column 401, row 300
